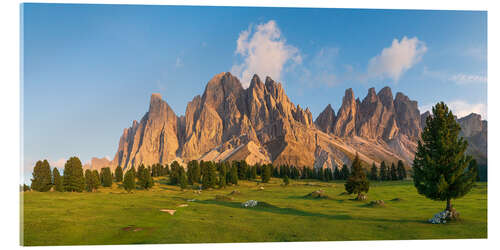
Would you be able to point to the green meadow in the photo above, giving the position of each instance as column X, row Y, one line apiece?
column 113, row 216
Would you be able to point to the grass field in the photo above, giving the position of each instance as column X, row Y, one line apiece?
column 112, row 216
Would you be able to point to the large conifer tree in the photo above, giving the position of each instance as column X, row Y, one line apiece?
column 129, row 181
column 58, row 181
column 119, row 174
column 42, row 177
column 374, row 172
column 441, row 169
column 357, row 182
column 73, row 175
column 107, row 178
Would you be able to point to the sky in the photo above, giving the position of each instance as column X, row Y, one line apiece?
column 88, row 71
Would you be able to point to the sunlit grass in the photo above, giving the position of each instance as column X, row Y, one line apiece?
column 55, row 218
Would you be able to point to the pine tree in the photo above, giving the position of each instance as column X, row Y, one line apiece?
column 129, row 181
column 336, row 174
column 374, row 172
column 286, row 181
column 107, row 179
column 73, row 175
column 193, row 172
column 344, row 172
column 119, row 174
column 401, row 170
column 234, row 175
column 209, row 177
column 222, row 176
column 88, row 181
column 42, row 177
column 253, row 174
column 144, row 179
column 58, row 182
column 182, row 179
column 441, row 169
column 266, row 174
column 394, row 173
column 384, row 173
column 96, row 180
column 174, row 172
column 357, row 182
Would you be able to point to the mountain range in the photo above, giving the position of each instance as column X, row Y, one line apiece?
column 261, row 124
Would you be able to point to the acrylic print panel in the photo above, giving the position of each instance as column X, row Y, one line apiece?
column 176, row 124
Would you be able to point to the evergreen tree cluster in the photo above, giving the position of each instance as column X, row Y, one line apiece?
column 385, row 173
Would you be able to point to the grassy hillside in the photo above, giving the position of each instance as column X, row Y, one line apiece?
column 112, row 216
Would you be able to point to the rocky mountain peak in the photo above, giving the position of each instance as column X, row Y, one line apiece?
column 385, row 96
column 326, row 119
column 345, row 122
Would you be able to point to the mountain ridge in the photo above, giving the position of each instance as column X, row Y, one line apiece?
column 261, row 124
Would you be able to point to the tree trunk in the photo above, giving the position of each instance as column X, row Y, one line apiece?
column 448, row 204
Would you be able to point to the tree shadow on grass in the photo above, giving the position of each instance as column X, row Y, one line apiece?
column 297, row 197
column 266, row 207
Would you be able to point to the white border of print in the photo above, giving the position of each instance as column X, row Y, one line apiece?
column 10, row 124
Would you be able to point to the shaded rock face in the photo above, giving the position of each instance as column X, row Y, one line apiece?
column 407, row 116
column 376, row 116
column 475, row 131
column 326, row 119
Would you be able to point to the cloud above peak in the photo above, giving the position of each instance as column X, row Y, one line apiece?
column 264, row 51
column 395, row 60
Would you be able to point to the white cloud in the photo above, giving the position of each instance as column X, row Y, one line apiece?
column 264, row 51
column 395, row 60
column 457, row 78
column 467, row 78
column 461, row 108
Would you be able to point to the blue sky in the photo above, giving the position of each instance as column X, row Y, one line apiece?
column 89, row 70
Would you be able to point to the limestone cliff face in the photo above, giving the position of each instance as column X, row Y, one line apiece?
column 345, row 122
column 474, row 130
column 260, row 124
column 152, row 140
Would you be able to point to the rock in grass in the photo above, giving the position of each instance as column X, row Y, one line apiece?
column 377, row 203
column 235, row 192
column 223, row 198
column 318, row 194
column 361, row 197
column 170, row 211
column 249, row 203
column 397, row 199
column 445, row 216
